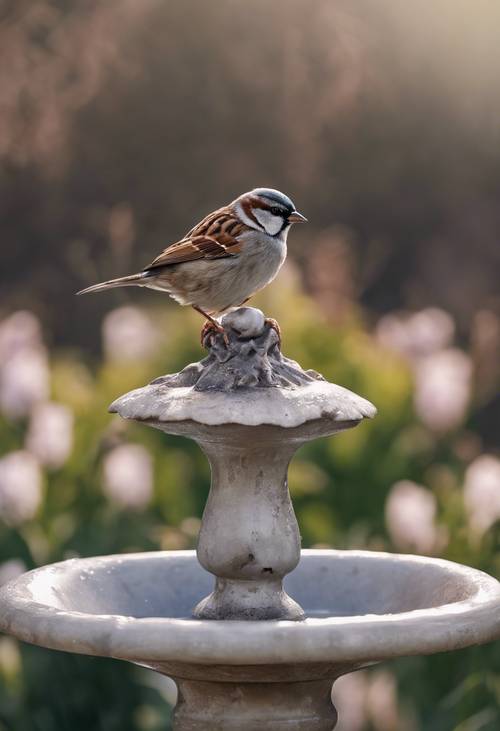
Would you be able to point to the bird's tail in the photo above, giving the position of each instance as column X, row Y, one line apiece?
column 133, row 280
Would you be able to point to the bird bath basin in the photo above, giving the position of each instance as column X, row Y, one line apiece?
column 261, row 648
column 361, row 607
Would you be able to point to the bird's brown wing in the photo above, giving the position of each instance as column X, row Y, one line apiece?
column 213, row 238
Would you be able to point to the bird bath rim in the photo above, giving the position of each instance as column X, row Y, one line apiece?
column 282, row 408
column 361, row 638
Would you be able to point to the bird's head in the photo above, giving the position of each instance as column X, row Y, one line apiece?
column 268, row 210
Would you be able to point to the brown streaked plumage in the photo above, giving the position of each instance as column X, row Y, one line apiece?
column 226, row 258
column 212, row 238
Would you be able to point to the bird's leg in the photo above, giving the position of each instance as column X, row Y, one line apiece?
column 275, row 326
column 210, row 326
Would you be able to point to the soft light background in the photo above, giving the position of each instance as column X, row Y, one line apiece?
column 121, row 124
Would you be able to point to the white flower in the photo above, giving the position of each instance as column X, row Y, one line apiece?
column 364, row 699
column 24, row 381
column 128, row 335
column 382, row 702
column 20, row 487
column 11, row 569
column 349, row 695
column 443, row 374
column 24, row 372
column 164, row 685
column 128, row 476
column 50, row 433
column 20, row 331
column 418, row 334
column 482, row 492
column 410, row 513
column 443, row 389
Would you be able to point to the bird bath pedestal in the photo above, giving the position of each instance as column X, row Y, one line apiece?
column 259, row 645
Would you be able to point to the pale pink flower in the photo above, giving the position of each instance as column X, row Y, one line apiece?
column 443, row 385
column 418, row 334
column 128, row 476
column 382, row 702
column 50, row 433
column 20, row 331
column 24, row 382
column 11, row 569
column 24, row 370
column 363, row 699
column 392, row 332
column 482, row 492
column 164, row 685
column 443, row 374
column 410, row 516
column 432, row 329
column 20, row 487
column 349, row 698
column 128, row 335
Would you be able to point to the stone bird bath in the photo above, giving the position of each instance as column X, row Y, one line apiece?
column 260, row 647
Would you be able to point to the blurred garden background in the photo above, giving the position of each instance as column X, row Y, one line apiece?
column 123, row 123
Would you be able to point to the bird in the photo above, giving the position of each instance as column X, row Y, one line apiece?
column 225, row 259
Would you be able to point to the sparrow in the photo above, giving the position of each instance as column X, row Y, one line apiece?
column 225, row 259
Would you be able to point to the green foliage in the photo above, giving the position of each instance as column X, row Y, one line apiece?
column 339, row 487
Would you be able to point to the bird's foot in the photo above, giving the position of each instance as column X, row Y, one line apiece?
column 210, row 328
column 275, row 326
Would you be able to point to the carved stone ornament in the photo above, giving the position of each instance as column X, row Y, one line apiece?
column 249, row 357
column 247, row 381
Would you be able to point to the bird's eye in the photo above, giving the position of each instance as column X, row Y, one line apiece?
column 276, row 211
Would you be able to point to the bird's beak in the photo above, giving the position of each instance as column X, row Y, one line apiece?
column 297, row 217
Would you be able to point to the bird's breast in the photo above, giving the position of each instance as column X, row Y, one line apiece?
column 262, row 258
column 216, row 285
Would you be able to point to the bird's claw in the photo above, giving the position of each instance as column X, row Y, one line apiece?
column 272, row 323
column 209, row 329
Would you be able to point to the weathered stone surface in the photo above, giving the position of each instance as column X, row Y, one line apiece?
column 248, row 356
column 251, row 407
column 249, row 538
column 248, row 382
column 361, row 605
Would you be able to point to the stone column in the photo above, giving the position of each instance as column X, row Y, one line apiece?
column 249, row 537
column 209, row 706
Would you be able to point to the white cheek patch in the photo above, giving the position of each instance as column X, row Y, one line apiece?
column 272, row 224
column 243, row 217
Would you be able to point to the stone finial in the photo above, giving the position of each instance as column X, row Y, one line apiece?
column 249, row 357
column 246, row 381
